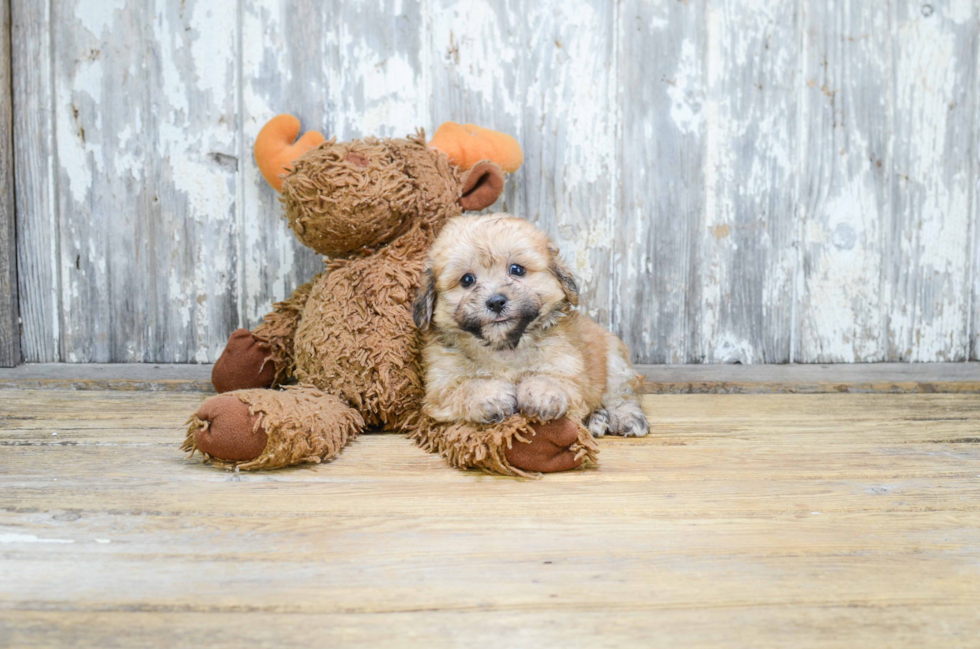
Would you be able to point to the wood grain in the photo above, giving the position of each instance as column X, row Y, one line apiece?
column 759, row 181
column 662, row 171
column 770, row 520
column 475, row 62
column 886, row 196
column 846, row 185
column 747, row 245
column 932, row 182
column 284, row 63
column 9, row 317
column 35, row 151
column 145, row 108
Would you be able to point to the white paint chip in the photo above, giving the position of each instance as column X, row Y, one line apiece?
column 29, row 538
column 97, row 16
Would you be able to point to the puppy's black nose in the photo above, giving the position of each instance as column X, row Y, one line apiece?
column 497, row 303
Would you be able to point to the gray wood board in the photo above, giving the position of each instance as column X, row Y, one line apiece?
column 9, row 319
column 764, row 181
column 676, row 379
column 38, row 257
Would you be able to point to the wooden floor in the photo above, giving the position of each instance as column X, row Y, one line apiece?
column 849, row 520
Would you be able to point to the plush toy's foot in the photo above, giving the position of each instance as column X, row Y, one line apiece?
column 515, row 446
column 228, row 431
column 269, row 429
column 550, row 449
column 245, row 364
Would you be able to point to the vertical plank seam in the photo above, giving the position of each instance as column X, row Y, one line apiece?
column 887, row 264
column 520, row 196
column 694, row 317
column 615, row 196
column 887, row 273
column 241, row 281
column 523, row 56
column 425, row 60
column 10, row 211
column 802, row 135
column 972, row 189
column 887, row 277
column 53, row 187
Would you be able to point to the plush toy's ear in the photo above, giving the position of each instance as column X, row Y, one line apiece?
column 275, row 148
column 482, row 186
column 425, row 301
column 564, row 276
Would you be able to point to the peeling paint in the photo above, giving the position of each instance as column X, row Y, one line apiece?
column 96, row 17
column 680, row 154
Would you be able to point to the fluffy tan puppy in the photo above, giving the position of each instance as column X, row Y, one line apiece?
column 502, row 336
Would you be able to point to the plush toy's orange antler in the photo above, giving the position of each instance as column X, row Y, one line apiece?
column 275, row 147
column 468, row 144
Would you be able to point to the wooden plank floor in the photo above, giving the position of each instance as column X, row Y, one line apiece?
column 848, row 520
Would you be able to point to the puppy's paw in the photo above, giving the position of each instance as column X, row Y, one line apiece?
column 627, row 419
column 542, row 397
column 490, row 402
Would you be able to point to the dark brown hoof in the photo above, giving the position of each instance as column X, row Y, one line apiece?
column 245, row 364
column 549, row 450
column 231, row 433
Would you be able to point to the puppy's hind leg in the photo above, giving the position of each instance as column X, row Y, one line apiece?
column 624, row 415
column 626, row 418
column 598, row 422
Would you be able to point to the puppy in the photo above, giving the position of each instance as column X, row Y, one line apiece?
column 501, row 335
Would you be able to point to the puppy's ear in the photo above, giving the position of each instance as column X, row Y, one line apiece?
column 564, row 276
column 482, row 186
column 425, row 301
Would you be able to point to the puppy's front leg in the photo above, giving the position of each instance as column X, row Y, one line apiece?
column 544, row 397
column 481, row 401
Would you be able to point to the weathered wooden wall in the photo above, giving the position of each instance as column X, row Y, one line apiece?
column 733, row 180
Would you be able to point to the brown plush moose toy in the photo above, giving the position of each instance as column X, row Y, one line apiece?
column 342, row 354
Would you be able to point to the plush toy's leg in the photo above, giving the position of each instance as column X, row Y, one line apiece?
column 269, row 429
column 245, row 364
column 264, row 357
column 513, row 447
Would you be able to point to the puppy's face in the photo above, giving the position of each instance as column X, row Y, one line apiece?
column 494, row 277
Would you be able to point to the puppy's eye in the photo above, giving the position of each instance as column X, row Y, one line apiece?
column 517, row 270
column 467, row 280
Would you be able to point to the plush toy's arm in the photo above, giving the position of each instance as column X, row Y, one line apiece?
column 515, row 446
column 279, row 327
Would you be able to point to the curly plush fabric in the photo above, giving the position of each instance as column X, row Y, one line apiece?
column 467, row 446
column 357, row 338
column 303, row 424
column 343, row 197
column 278, row 330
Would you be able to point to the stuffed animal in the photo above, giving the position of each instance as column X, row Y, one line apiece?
column 342, row 353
